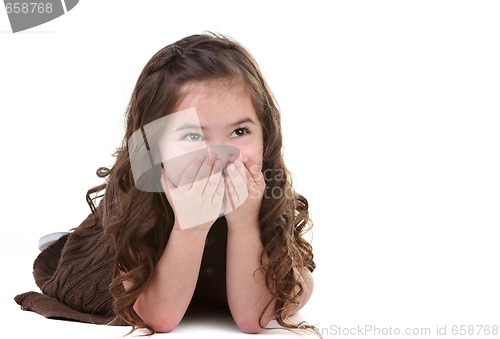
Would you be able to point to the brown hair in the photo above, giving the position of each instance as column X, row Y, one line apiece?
column 137, row 219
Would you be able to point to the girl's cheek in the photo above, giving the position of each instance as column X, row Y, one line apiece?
column 251, row 147
column 256, row 157
column 252, row 150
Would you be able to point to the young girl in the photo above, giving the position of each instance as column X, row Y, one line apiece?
column 198, row 207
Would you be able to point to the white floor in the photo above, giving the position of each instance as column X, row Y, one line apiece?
column 18, row 252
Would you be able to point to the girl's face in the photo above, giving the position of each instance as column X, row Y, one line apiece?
column 213, row 113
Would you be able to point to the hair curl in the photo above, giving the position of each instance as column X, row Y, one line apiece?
column 137, row 219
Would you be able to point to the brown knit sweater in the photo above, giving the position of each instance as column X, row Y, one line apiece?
column 74, row 274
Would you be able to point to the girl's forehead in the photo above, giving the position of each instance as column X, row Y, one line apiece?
column 180, row 117
column 202, row 91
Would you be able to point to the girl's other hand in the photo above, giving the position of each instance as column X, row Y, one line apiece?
column 244, row 191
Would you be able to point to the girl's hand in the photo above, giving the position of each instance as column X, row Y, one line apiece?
column 245, row 186
column 197, row 201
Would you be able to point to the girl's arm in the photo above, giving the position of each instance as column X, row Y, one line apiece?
column 165, row 299
column 247, row 292
column 246, row 289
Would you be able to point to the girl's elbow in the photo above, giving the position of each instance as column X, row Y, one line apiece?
column 161, row 323
column 249, row 326
column 163, row 329
column 165, row 326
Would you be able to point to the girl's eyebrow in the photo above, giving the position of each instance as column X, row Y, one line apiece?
column 242, row 121
column 189, row 126
column 195, row 126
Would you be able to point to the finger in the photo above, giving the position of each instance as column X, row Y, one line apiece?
column 166, row 184
column 230, row 193
column 254, row 169
column 213, row 179
column 239, row 182
column 219, row 192
column 238, row 163
column 189, row 175
column 206, row 168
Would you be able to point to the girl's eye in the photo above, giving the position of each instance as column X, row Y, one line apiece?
column 193, row 137
column 239, row 132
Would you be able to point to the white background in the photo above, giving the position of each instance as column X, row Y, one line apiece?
column 391, row 122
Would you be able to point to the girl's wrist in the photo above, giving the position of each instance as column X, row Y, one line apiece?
column 243, row 225
column 200, row 231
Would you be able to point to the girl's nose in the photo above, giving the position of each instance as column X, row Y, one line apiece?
column 224, row 153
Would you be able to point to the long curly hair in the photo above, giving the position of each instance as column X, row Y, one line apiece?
column 140, row 222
